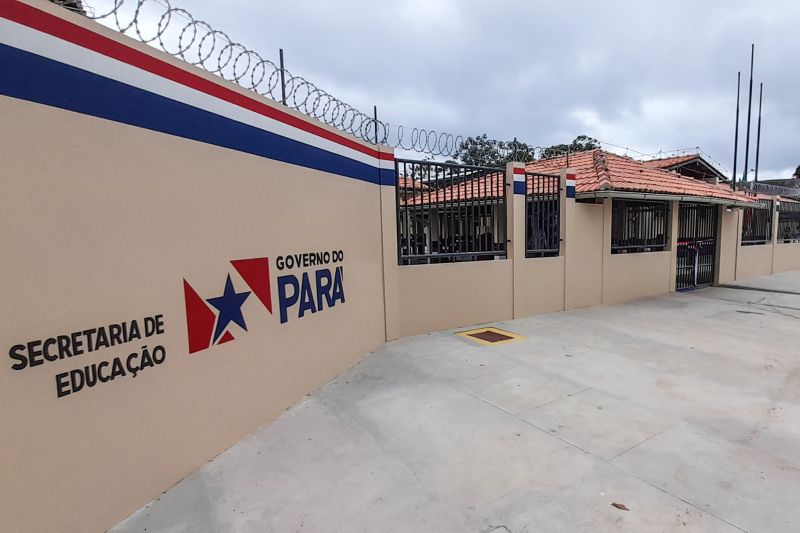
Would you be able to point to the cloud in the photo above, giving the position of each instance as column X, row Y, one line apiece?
column 646, row 74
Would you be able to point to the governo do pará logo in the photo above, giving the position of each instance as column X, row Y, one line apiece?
column 308, row 283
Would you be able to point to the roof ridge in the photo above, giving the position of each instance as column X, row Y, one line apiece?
column 601, row 168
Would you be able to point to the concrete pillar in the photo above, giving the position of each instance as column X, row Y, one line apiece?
column 388, row 210
column 582, row 248
column 515, row 200
column 607, row 219
column 515, row 178
column 515, row 211
column 728, row 236
column 774, row 235
column 567, row 189
column 672, row 243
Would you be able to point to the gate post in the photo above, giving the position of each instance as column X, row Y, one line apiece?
column 515, row 205
column 672, row 243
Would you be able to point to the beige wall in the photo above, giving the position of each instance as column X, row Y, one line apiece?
column 451, row 295
column 787, row 257
column 630, row 276
column 638, row 275
column 100, row 223
column 538, row 285
column 584, row 255
column 538, row 281
column 728, row 244
column 755, row 260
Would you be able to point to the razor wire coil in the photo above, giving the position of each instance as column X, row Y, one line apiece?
column 177, row 32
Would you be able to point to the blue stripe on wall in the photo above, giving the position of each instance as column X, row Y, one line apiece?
column 519, row 187
column 38, row 79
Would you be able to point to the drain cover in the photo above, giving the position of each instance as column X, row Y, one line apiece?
column 490, row 336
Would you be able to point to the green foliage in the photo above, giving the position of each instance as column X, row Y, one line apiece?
column 581, row 143
column 483, row 151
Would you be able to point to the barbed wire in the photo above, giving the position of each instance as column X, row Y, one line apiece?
column 176, row 31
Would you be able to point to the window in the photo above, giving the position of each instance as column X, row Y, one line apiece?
column 542, row 215
column 638, row 226
column 789, row 222
column 757, row 224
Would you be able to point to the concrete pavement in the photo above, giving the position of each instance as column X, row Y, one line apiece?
column 683, row 408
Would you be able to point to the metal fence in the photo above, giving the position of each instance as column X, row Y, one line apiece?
column 448, row 213
column 542, row 215
column 789, row 222
column 697, row 245
column 638, row 226
column 757, row 224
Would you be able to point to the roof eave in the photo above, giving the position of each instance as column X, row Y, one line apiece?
column 634, row 195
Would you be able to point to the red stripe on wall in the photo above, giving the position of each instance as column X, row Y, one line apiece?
column 45, row 22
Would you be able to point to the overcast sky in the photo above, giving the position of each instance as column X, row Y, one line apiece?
column 648, row 75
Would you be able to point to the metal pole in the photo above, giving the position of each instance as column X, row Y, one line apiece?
column 749, row 108
column 758, row 129
column 736, row 136
column 283, row 79
column 375, row 120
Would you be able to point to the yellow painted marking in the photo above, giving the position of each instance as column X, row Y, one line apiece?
column 470, row 335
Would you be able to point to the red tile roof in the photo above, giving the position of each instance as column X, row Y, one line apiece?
column 667, row 162
column 597, row 170
column 481, row 187
column 404, row 182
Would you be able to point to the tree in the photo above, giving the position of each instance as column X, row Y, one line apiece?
column 480, row 151
column 483, row 151
column 797, row 172
column 581, row 143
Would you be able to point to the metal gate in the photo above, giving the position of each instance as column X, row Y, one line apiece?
column 697, row 245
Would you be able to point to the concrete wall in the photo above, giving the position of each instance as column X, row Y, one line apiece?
column 630, row 276
column 538, row 285
column 111, row 214
column 729, row 233
column 755, row 260
column 760, row 259
column 450, row 295
column 787, row 257
column 539, row 282
column 584, row 252
column 137, row 188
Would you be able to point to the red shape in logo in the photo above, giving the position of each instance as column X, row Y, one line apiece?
column 199, row 319
column 227, row 337
column 255, row 273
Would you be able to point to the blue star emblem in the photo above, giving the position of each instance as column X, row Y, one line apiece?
column 229, row 306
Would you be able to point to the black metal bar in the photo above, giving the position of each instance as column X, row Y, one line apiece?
column 402, row 207
column 749, row 108
column 758, row 128
column 638, row 226
column 736, row 135
column 542, row 208
column 283, row 77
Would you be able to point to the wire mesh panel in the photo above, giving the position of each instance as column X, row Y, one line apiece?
column 757, row 224
column 448, row 212
column 697, row 245
column 638, row 226
column 789, row 222
column 542, row 215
